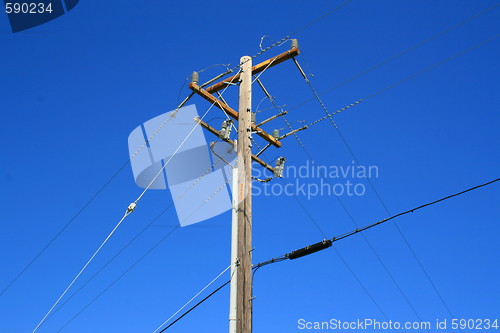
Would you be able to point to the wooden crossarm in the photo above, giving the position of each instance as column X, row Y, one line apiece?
column 256, row 69
column 216, row 132
column 232, row 113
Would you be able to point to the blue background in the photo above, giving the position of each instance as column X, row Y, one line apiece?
column 74, row 88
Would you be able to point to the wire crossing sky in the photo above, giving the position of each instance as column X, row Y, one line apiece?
column 75, row 87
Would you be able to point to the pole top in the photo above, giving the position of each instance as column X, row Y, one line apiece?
column 245, row 59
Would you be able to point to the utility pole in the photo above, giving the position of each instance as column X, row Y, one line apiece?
column 240, row 305
column 244, row 193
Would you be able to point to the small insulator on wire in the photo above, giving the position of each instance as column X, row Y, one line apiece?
column 131, row 207
column 276, row 134
column 227, row 127
column 295, row 44
column 254, row 117
column 280, row 166
column 195, row 77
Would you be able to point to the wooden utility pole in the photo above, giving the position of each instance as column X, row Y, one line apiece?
column 240, row 308
column 244, row 153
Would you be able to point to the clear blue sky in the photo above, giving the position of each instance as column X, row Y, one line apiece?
column 74, row 88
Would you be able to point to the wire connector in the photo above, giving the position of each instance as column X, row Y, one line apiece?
column 131, row 207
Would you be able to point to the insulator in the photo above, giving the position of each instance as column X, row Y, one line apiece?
column 310, row 249
column 276, row 134
column 295, row 44
column 280, row 166
column 195, row 77
column 131, row 207
column 254, row 117
column 227, row 127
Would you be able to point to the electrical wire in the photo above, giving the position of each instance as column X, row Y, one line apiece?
column 127, row 213
column 329, row 116
column 135, row 203
column 194, row 297
column 304, row 208
column 131, row 208
column 348, row 213
column 282, row 115
column 118, row 278
column 84, row 207
column 403, row 52
column 172, row 156
column 287, row 37
column 394, row 84
column 342, row 259
column 284, row 39
column 369, row 226
column 264, row 50
column 195, row 306
column 140, row 148
column 52, row 240
column 141, row 258
column 134, row 238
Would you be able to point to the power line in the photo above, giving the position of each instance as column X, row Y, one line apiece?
column 141, row 258
column 80, row 211
column 284, row 39
column 328, row 242
column 309, row 249
column 337, row 129
column 195, row 306
column 287, row 37
column 118, row 278
column 193, row 298
column 130, row 208
column 329, row 116
column 340, row 202
column 145, row 189
column 394, row 84
column 135, row 237
column 358, row 280
column 402, row 53
column 127, row 213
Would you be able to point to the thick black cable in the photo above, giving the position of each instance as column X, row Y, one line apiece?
column 358, row 280
column 417, row 208
column 334, row 239
column 372, row 248
column 358, row 230
column 195, row 306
